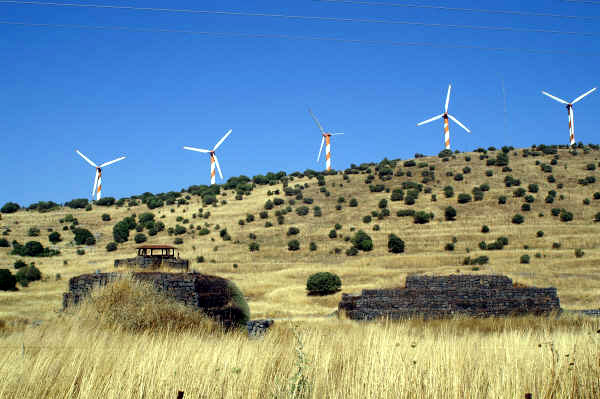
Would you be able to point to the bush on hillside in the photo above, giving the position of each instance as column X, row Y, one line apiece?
column 10, row 207
column 293, row 231
column 78, row 203
column 111, row 246
column 106, row 201
column 353, row 202
column 27, row 274
column 4, row 243
column 140, row 238
column 83, row 236
column 463, row 198
column 323, row 283
column 518, row 219
column 253, row 246
column 32, row 248
column 8, row 282
column 293, row 245
column 54, row 237
column 362, row 241
column 395, row 244
column 422, row 217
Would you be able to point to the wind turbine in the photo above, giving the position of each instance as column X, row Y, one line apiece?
column 570, row 111
column 98, row 179
column 446, row 115
column 326, row 139
column 213, row 157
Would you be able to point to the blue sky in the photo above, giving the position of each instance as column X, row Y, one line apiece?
column 146, row 95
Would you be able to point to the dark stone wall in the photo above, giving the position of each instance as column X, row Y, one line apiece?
column 438, row 297
column 210, row 294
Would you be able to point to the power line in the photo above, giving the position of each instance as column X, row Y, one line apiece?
column 298, row 38
column 459, row 9
column 301, row 17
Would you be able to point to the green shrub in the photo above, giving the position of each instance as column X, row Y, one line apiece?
column 84, row 236
column 178, row 241
column 32, row 248
column 525, row 259
column 249, row 218
column 140, row 238
column 8, row 282
column 352, row 251
column 395, row 244
column 383, row 203
column 597, row 217
column 555, row 211
column 422, row 217
column 54, row 237
column 106, row 201
column 254, row 246
column 323, row 283
column 525, row 207
column 362, row 241
column 405, row 212
column 332, row 234
column 485, row 229
column 533, row 188
column 33, row 232
column 78, row 203
column 293, row 245
column 366, row 219
column 4, row 243
column 502, row 200
column 518, row 219
column 540, row 234
column 293, row 231
column 105, row 217
column 27, row 274
column 529, row 199
column 111, row 246
column 10, row 207
column 579, row 253
column 566, row 216
column 19, row 264
column 458, row 177
column 302, row 210
column 463, row 198
column 312, row 246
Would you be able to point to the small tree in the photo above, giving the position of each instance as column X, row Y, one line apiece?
column 84, row 236
column 140, row 238
column 518, row 219
column 395, row 244
column 450, row 213
column 362, row 241
column 10, row 207
column 8, row 282
column 111, row 246
column 54, row 237
column 323, row 283
column 293, row 245
column 463, row 198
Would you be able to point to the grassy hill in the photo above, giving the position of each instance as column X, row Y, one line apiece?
column 274, row 278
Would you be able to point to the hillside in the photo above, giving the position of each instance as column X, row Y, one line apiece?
column 274, row 278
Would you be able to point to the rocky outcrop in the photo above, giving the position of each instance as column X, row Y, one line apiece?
column 444, row 296
column 215, row 296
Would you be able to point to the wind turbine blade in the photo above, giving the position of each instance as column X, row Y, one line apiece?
column 111, row 162
column 218, row 167
column 448, row 98
column 95, row 183
column 459, row 124
column 195, row 149
column 336, row 134
column 583, row 95
column 555, row 98
column 321, row 149
column 87, row 159
column 316, row 121
column 222, row 140
column 430, row 119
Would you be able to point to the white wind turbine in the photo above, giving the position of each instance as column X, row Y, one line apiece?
column 326, row 139
column 213, row 157
column 570, row 111
column 446, row 115
column 97, row 190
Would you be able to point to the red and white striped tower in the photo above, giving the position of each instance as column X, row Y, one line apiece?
column 326, row 139
column 97, row 189
column 445, row 116
column 214, row 161
column 328, row 151
column 212, row 168
column 446, row 132
column 570, row 111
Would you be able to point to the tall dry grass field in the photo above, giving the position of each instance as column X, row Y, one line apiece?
column 117, row 347
column 345, row 359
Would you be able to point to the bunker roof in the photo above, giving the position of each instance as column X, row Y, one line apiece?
column 156, row 247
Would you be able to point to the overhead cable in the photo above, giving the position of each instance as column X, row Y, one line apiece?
column 459, row 9
column 292, row 37
column 300, row 17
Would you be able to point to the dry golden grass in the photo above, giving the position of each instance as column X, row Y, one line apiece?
column 463, row 358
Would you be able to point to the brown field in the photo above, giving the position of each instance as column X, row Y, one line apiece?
column 345, row 359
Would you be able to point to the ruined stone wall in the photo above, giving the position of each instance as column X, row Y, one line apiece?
column 437, row 297
column 148, row 262
column 210, row 294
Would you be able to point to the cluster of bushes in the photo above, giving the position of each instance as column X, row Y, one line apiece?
column 32, row 248
column 496, row 245
column 480, row 260
column 10, row 207
column 361, row 241
column 44, row 206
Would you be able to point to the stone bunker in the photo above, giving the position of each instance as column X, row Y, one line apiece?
column 444, row 296
column 217, row 297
